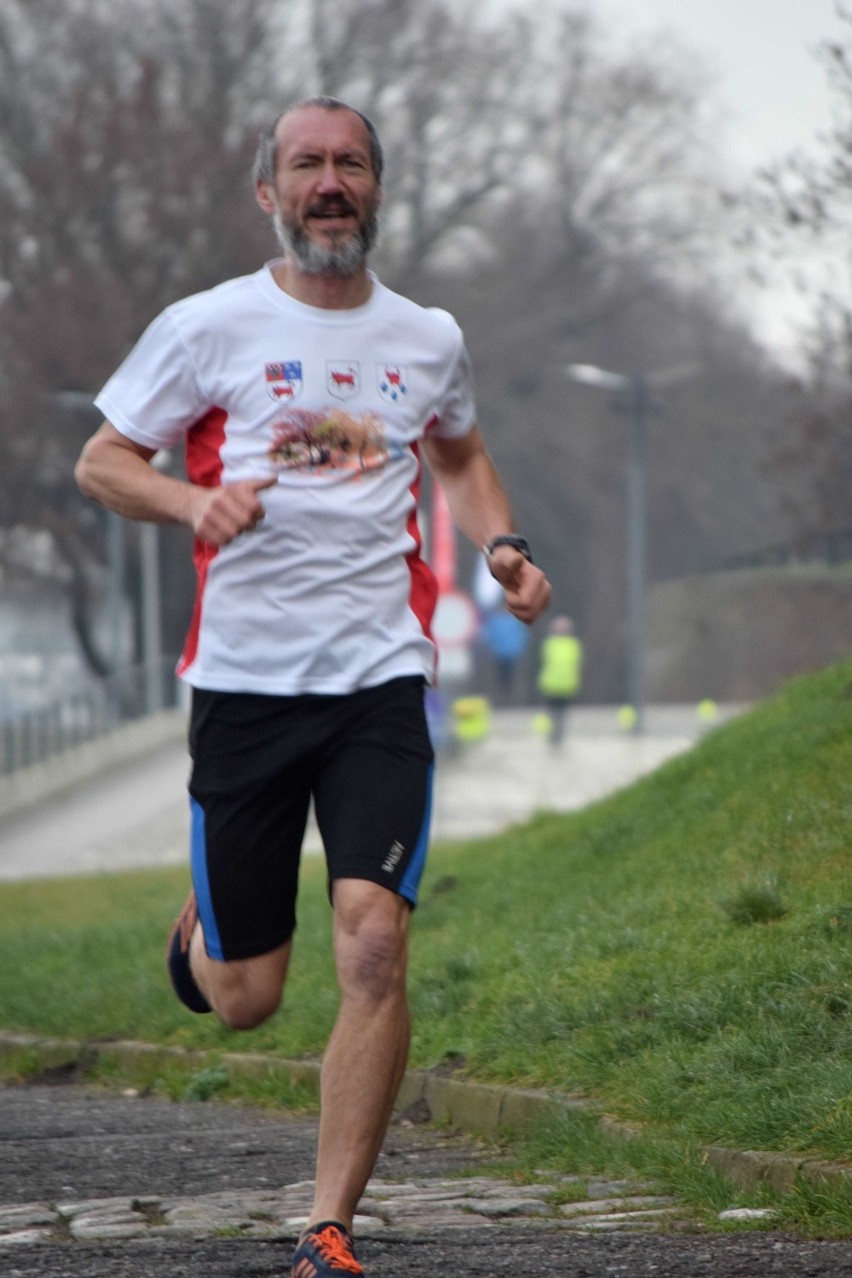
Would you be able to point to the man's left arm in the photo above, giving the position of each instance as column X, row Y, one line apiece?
column 480, row 508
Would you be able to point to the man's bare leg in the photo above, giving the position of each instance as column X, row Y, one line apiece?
column 368, row 1048
column 243, row 992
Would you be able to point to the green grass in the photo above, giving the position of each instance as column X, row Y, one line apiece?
column 681, row 951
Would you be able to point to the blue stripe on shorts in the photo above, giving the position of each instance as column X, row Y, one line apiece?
column 410, row 881
column 201, row 881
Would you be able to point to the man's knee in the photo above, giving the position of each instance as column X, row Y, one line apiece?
column 371, row 940
column 241, row 1009
column 377, row 960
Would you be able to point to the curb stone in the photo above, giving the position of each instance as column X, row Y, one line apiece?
column 478, row 1109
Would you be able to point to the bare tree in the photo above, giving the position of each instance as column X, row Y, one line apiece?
column 610, row 152
column 795, row 222
column 626, row 150
column 123, row 183
column 441, row 83
column 125, row 163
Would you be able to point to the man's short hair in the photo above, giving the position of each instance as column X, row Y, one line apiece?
column 266, row 157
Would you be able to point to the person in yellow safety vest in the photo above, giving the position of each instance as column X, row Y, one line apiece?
column 560, row 674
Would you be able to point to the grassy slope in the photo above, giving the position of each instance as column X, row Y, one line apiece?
column 622, row 972
column 595, row 951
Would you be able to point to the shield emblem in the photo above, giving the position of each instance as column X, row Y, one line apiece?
column 392, row 382
column 284, row 380
column 342, row 379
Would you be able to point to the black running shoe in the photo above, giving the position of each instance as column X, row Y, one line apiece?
column 325, row 1251
column 177, row 958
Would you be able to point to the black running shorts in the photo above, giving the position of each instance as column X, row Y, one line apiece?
column 365, row 758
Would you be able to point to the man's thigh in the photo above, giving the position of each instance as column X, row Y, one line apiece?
column 249, row 794
column 373, row 794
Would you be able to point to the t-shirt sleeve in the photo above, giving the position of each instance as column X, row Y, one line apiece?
column 455, row 405
column 456, row 412
column 154, row 396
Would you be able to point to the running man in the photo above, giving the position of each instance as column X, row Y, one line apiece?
column 306, row 396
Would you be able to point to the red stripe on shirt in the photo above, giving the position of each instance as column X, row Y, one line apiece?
column 423, row 596
column 204, row 467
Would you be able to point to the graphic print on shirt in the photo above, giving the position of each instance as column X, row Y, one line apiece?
column 392, row 381
column 330, row 439
column 342, row 378
column 284, row 380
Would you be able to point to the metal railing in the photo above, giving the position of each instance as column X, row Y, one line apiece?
column 48, row 728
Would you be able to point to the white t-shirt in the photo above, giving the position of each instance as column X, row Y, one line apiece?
column 329, row 593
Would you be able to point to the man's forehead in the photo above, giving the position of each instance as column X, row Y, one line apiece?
column 309, row 127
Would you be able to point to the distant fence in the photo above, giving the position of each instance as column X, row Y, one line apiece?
column 41, row 733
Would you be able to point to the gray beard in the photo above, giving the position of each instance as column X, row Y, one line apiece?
column 338, row 260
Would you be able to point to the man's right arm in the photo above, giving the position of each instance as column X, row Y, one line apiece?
column 116, row 472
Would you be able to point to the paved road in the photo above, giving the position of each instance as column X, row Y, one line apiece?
column 136, row 814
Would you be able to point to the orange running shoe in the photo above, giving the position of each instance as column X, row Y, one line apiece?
column 325, row 1251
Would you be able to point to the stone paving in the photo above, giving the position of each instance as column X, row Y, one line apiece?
column 387, row 1207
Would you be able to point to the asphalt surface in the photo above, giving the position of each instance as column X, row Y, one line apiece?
column 135, row 814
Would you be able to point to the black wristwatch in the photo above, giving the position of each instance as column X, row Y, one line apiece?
column 509, row 539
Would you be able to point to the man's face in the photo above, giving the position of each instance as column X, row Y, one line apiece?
column 325, row 198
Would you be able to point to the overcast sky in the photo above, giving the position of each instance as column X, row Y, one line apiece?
column 761, row 54
column 772, row 93
column 768, row 92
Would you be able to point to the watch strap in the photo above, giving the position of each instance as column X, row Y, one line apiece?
column 509, row 539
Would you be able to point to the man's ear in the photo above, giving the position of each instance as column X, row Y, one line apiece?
column 263, row 195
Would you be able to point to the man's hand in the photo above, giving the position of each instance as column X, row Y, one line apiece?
column 218, row 515
column 527, row 589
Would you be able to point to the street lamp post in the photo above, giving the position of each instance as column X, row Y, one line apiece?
column 115, row 607
column 637, row 392
column 634, row 388
column 152, row 656
column 81, row 402
column 149, row 602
